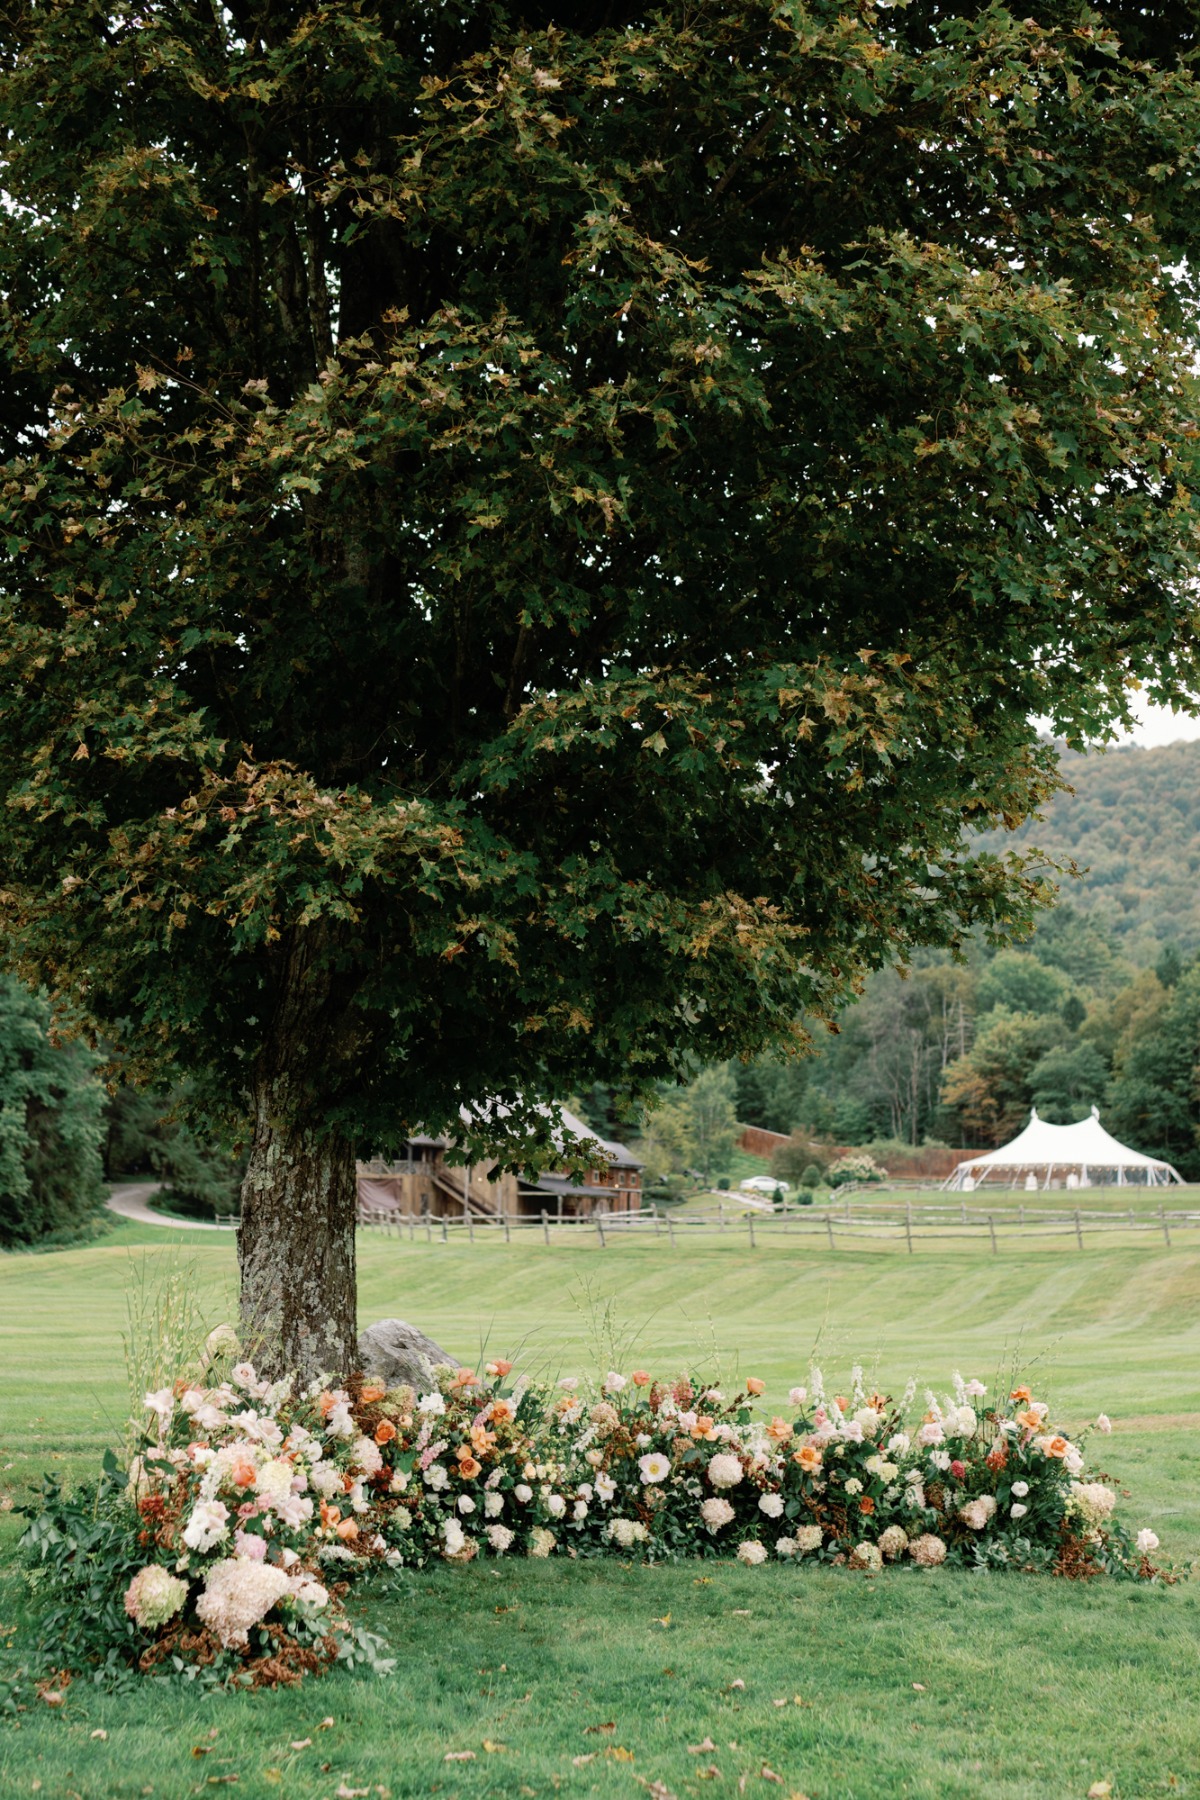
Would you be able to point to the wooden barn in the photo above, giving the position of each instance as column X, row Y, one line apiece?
column 421, row 1183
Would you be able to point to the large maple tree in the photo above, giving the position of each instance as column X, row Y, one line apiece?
column 530, row 533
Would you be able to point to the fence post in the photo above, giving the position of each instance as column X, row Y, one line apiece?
column 908, row 1224
column 750, row 1224
column 560, row 1209
column 847, row 1209
column 671, row 1230
column 412, row 1228
column 445, row 1233
column 657, row 1223
column 964, row 1211
column 545, row 1225
column 721, row 1207
column 1078, row 1230
column 829, row 1229
column 507, row 1232
column 429, row 1228
column 600, row 1230
column 1166, row 1230
column 992, row 1229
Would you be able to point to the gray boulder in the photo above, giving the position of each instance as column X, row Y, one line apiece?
column 402, row 1356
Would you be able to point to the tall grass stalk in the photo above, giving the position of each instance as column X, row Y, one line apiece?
column 164, row 1332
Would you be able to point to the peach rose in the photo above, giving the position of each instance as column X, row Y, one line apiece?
column 640, row 1378
column 1029, row 1420
column 372, row 1391
column 385, row 1431
column 464, row 1378
column 809, row 1458
column 779, row 1430
column 1056, row 1446
column 498, row 1367
column 754, row 1385
column 482, row 1439
column 467, row 1465
column 1021, row 1393
column 347, row 1528
column 500, row 1412
column 330, row 1514
column 704, row 1429
column 244, row 1474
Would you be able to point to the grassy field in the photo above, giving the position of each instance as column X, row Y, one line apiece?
column 1024, row 1688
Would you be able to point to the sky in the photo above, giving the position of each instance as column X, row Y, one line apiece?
column 1159, row 725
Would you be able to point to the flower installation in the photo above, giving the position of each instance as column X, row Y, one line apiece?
column 229, row 1547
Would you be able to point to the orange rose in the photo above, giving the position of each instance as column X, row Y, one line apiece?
column 482, row 1439
column 347, row 1483
column 326, row 1403
column 330, row 1514
column 704, row 1429
column 841, row 1402
column 464, row 1378
column 1021, row 1393
column 754, row 1385
column 468, row 1467
column 500, row 1412
column 1029, row 1420
column 866, row 1504
column 244, row 1474
column 809, row 1458
column 385, row 1431
column 640, row 1378
column 372, row 1391
column 1056, row 1446
column 779, row 1430
column 499, row 1367
column 348, row 1528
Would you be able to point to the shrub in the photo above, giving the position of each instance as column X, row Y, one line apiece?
column 723, row 1184
column 856, row 1167
column 811, row 1178
column 790, row 1159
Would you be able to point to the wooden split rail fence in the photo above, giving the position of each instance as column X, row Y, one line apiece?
column 843, row 1227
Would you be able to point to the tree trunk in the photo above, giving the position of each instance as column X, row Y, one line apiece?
column 296, row 1244
column 299, row 1196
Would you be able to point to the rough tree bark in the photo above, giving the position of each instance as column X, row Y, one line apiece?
column 296, row 1244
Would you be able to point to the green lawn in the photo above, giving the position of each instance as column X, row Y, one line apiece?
column 1028, row 1688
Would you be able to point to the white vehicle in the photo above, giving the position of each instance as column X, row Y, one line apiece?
column 762, row 1184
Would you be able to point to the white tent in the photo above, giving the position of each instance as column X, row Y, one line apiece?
column 1080, row 1155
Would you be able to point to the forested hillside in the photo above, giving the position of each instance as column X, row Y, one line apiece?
column 1133, row 824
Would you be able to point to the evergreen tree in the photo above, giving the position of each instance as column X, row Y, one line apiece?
column 51, row 1129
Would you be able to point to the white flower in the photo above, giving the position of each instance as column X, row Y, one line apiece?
column 393, row 1559
column 1092, row 1500
column 340, row 1423
column 893, row 1541
column 1103, row 1422
column 465, row 1503
column 751, row 1552
column 978, row 1513
column 237, row 1594
column 1018, row 1511
column 556, row 1506
column 523, row 1492
column 809, row 1537
column 366, row 1455
column 493, row 1505
column 867, row 1556
column 940, row 1459
column 1146, row 1541
column 1073, row 1461
column 643, row 1440
column 716, row 1513
column 542, row 1542
column 436, row 1478
column 896, row 1446
column 584, row 1490
column 401, row 1519
column 1020, row 1489
column 580, row 1510
column 613, row 1383
column 310, row 1593
column 654, row 1466
column 207, row 1525
column 455, row 1537
column 293, row 1510
column 868, row 1420
column 852, row 1432
column 854, row 1486
column 162, row 1402
column 243, row 1375
column 274, row 1480
column 326, row 1479
column 606, row 1487
column 724, row 1471
column 771, row 1505
column 963, row 1422
column 398, row 1483
column 785, row 1546
column 796, row 1397
column 433, row 1404
column 930, row 1433
column 499, row 1537
column 975, row 1390
column 154, row 1596
column 627, row 1532
column 569, row 1382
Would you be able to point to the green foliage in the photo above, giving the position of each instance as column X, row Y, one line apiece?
column 82, row 1554
column 790, row 1161
column 1021, row 983
column 445, row 464
column 856, row 1167
column 697, row 1126
column 811, row 1176
column 770, row 1093
column 1067, row 1082
column 1154, row 1099
column 51, row 1175
column 145, row 1134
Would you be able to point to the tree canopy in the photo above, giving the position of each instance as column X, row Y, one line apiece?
column 528, row 533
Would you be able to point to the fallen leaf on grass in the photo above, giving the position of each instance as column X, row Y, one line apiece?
column 459, row 1756
column 618, row 1753
column 658, row 1790
column 702, row 1581
column 102, row 1735
column 779, row 1702
column 711, row 1773
column 54, row 1697
column 739, row 1683
column 342, row 1792
column 665, row 1621
column 326, row 1724
column 494, row 1748
column 273, row 1775
column 300, row 1744
column 1099, row 1790
column 770, row 1775
column 581, row 1762
column 918, row 1687
column 221, row 1780
column 609, row 1725
column 699, row 1749
column 741, row 1612
column 202, row 1749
